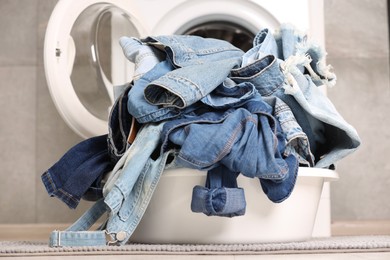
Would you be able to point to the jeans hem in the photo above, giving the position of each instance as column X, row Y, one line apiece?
column 59, row 193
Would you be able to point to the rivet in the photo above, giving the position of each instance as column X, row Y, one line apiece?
column 121, row 235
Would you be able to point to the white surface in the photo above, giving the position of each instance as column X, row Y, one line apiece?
column 322, row 225
column 169, row 218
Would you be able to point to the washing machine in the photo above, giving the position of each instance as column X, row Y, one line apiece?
column 83, row 60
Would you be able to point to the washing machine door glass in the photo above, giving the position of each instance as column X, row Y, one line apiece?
column 236, row 34
column 96, row 64
column 84, row 61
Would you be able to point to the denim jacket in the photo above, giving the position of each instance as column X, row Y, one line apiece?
column 180, row 79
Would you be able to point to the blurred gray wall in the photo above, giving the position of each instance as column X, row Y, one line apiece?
column 33, row 136
column 357, row 43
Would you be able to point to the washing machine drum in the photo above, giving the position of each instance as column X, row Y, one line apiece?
column 83, row 60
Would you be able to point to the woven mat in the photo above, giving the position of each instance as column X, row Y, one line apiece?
column 318, row 245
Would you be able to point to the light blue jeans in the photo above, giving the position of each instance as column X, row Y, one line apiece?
column 297, row 142
column 290, row 67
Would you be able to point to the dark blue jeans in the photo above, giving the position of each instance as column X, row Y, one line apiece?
column 77, row 170
column 120, row 124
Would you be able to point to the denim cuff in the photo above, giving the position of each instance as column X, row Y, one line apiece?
column 223, row 202
column 278, row 191
column 70, row 200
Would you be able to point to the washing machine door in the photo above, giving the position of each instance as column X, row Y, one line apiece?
column 83, row 59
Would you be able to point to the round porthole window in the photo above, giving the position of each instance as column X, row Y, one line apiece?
column 83, row 60
column 97, row 65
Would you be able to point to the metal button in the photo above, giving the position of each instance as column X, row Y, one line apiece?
column 121, row 235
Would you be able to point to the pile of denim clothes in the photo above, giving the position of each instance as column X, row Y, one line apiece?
column 204, row 104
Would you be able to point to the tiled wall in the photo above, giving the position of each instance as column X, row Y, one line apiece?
column 357, row 43
column 33, row 136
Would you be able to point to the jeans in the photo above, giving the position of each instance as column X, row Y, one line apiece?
column 312, row 109
column 303, row 64
column 293, row 44
column 297, row 142
column 248, row 140
column 129, row 189
column 76, row 171
column 278, row 191
column 220, row 196
column 341, row 138
column 264, row 73
column 122, row 129
column 244, row 138
column 120, row 124
column 127, row 194
column 212, row 107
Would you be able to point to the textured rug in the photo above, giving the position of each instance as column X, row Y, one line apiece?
column 318, row 245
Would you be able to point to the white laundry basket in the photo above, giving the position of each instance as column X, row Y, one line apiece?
column 169, row 218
